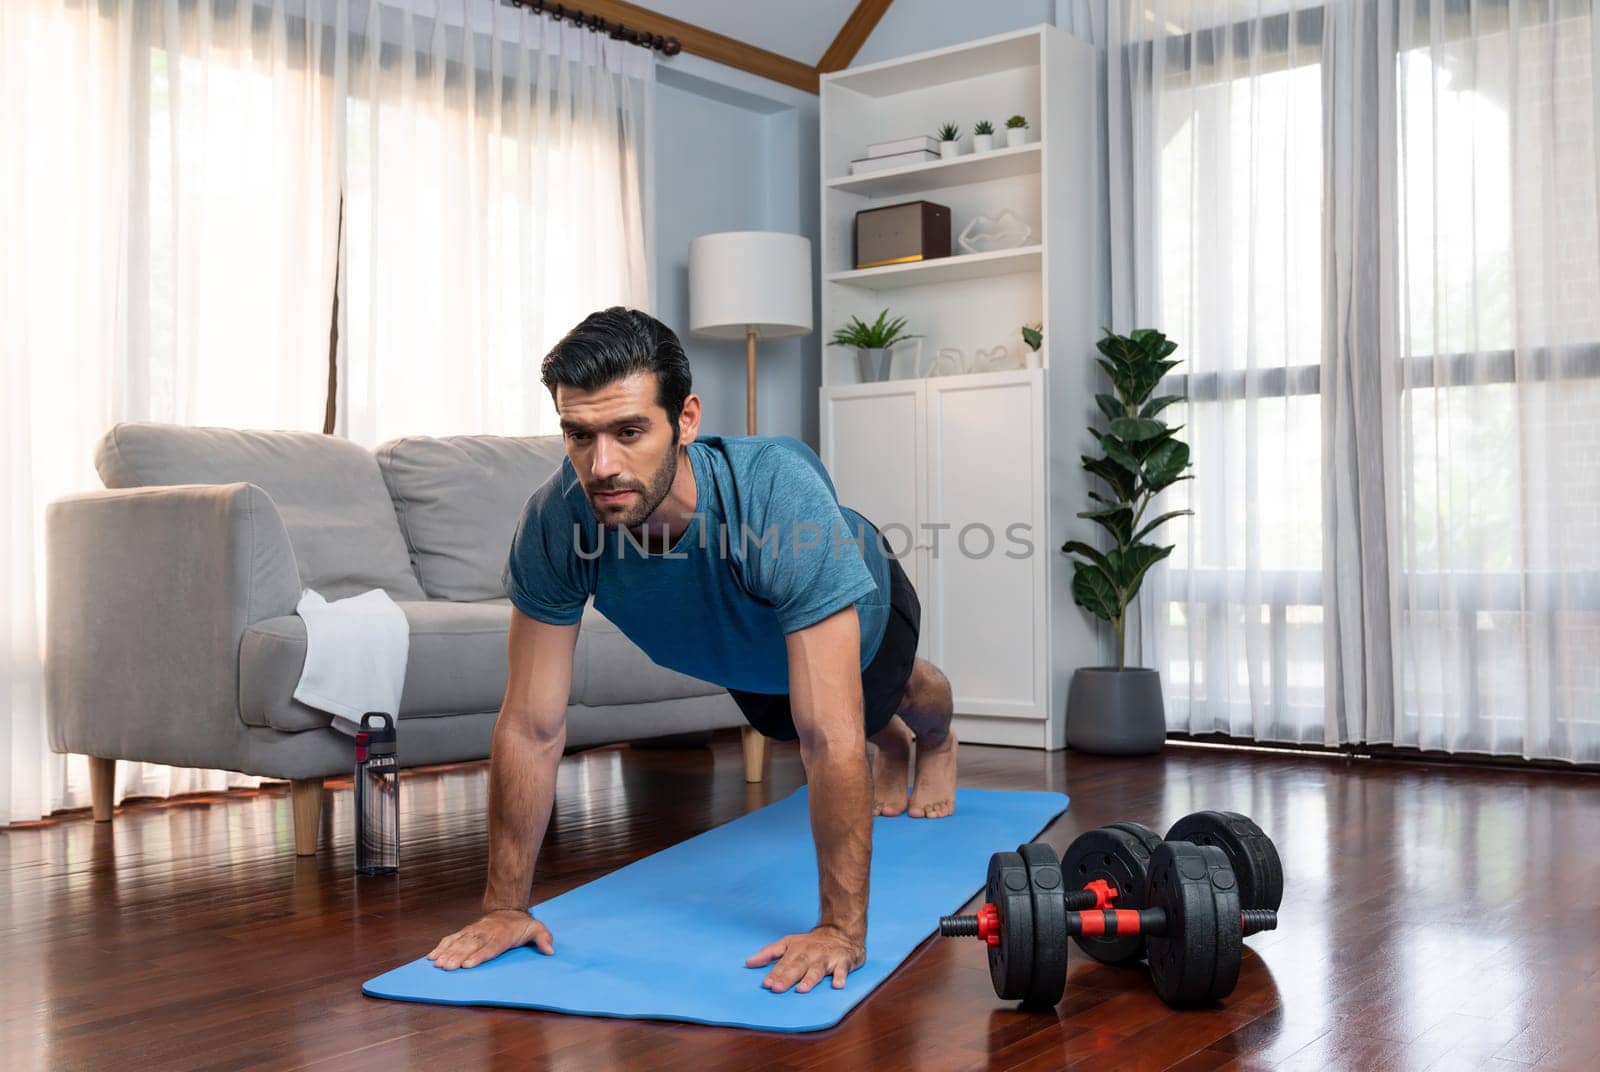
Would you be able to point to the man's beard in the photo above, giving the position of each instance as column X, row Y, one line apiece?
column 649, row 496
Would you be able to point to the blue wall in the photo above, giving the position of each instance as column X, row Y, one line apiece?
column 733, row 153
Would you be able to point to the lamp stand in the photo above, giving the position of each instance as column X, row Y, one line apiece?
column 755, row 745
column 750, row 383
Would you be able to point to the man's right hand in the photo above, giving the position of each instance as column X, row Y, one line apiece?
column 492, row 935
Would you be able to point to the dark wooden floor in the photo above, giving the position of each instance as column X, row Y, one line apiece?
column 1434, row 918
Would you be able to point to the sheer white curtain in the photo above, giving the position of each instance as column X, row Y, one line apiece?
column 1372, row 226
column 168, row 255
column 495, row 197
column 170, row 205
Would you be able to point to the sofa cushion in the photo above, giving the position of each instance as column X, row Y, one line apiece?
column 458, row 500
column 456, row 665
column 328, row 491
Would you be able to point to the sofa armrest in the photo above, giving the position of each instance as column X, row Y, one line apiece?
column 148, row 592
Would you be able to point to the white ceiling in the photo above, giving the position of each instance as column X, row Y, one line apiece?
column 799, row 29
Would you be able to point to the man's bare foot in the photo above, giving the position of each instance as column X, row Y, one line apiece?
column 934, row 795
column 891, row 769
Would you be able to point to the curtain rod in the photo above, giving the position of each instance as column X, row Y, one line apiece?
column 667, row 46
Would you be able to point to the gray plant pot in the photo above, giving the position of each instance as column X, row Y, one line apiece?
column 1113, row 712
column 873, row 364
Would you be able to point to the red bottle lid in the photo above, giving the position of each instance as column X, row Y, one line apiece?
column 361, row 748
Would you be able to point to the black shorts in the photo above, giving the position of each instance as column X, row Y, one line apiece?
column 883, row 681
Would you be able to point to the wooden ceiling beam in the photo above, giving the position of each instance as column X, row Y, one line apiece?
column 852, row 35
column 713, row 46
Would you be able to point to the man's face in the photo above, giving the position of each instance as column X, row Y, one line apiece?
column 621, row 445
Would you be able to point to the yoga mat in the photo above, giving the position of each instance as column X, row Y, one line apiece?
column 666, row 937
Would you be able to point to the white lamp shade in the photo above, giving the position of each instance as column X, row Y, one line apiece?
column 742, row 281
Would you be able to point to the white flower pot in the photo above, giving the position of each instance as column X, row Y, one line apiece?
column 1016, row 136
column 982, row 143
column 949, row 150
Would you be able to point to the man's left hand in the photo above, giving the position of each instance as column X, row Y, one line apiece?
column 809, row 958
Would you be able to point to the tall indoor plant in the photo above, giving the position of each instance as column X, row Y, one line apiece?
column 1118, row 710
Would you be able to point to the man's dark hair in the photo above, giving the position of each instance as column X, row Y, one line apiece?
column 615, row 343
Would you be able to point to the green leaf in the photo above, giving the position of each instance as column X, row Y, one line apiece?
column 1137, row 429
column 1128, row 567
column 1118, row 520
column 1117, row 452
column 1150, row 526
column 1166, row 464
column 1093, row 591
column 1156, row 405
column 1123, row 482
column 1093, row 554
column 1111, row 406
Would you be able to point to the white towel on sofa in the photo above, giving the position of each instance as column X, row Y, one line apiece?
column 355, row 656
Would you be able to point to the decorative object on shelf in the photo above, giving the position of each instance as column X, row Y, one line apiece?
column 950, row 361
column 903, row 152
column 1118, row 710
column 868, row 164
column 1033, row 336
column 1016, row 131
column 1004, row 230
column 949, row 143
column 900, row 234
column 749, row 285
column 982, row 136
column 921, row 142
column 873, row 343
column 995, row 359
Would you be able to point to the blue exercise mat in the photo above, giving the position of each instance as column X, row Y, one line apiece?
column 666, row 937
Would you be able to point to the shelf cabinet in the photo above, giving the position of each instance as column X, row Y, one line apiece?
column 947, row 465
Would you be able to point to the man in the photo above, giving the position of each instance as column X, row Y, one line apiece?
column 730, row 560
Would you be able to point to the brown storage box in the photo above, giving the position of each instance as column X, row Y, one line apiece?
column 900, row 234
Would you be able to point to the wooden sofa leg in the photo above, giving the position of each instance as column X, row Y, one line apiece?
column 307, row 796
column 102, row 786
column 755, row 755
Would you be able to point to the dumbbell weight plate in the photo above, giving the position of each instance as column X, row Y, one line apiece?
column 1011, row 962
column 1049, row 926
column 1197, row 960
column 1253, row 856
column 1119, row 856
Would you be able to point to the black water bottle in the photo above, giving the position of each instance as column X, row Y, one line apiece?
column 377, row 796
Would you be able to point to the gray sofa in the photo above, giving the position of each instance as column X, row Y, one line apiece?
column 172, row 635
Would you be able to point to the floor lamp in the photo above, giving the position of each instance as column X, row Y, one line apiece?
column 750, row 285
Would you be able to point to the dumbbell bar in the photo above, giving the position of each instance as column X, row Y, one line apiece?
column 1097, row 923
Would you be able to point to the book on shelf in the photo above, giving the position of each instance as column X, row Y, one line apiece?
column 882, row 163
column 903, row 145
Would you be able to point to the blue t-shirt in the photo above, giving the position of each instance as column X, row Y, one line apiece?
column 792, row 557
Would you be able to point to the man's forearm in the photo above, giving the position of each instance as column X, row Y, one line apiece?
column 841, row 825
column 522, row 789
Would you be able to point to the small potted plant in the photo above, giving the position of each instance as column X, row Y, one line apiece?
column 982, row 136
column 1118, row 710
column 949, row 145
column 1033, row 336
column 1016, row 131
column 872, row 343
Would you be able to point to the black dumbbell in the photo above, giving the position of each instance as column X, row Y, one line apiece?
column 1192, row 923
column 1250, row 852
column 1114, row 857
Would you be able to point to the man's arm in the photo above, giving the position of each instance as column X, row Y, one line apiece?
column 529, row 738
column 825, row 699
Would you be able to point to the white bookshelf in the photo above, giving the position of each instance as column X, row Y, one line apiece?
column 985, row 446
